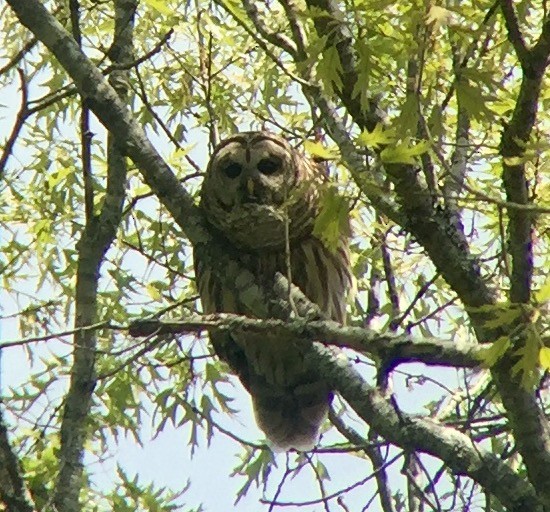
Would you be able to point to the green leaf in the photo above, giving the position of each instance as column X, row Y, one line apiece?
column 544, row 358
column 471, row 98
column 489, row 356
column 329, row 68
column 404, row 152
column 407, row 124
column 160, row 6
column 316, row 149
column 153, row 291
column 438, row 16
column 543, row 294
column 377, row 137
column 503, row 315
column 332, row 221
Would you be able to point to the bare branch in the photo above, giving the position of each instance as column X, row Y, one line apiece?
column 393, row 348
column 12, row 488
column 19, row 56
column 57, row 335
column 372, row 451
column 22, row 116
column 458, row 451
column 514, row 32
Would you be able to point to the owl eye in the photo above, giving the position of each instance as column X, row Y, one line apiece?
column 269, row 165
column 232, row 169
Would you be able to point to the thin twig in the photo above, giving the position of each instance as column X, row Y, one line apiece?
column 22, row 116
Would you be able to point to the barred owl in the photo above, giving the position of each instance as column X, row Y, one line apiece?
column 257, row 190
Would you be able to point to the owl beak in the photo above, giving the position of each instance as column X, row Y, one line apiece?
column 250, row 186
column 251, row 193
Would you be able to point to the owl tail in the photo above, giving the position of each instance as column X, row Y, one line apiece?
column 291, row 416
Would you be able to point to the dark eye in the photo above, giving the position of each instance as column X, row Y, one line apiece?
column 269, row 165
column 232, row 169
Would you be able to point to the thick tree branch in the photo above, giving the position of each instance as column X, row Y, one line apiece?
column 331, row 26
column 432, row 228
column 425, row 435
column 529, row 423
column 392, row 348
column 514, row 33
column 99, row 233
column 515, row 138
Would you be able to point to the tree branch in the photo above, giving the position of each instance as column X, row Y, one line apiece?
column 275, row 38
column 22, row 116
column 433, row 230
column 99, row 233
column 421, row 434
column 529, row 423
column 392, row 348
column 331, row 26
column 515, row 138
column 373, row 452
column 12, row 488
column 454, row 181
column 514, row 33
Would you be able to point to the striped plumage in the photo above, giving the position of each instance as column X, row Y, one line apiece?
column 254, row 181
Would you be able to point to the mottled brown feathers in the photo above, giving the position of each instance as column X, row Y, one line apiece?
column 256, row 186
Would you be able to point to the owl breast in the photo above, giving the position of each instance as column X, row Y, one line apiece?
column 256, row 227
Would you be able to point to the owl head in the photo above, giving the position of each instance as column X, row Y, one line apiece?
column 256, row 183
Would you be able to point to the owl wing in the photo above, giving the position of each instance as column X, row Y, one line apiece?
column 216, row 298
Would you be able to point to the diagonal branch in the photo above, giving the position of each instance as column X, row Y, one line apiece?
column 329, row 24
column 514, row 33
column 374, row 453
column 436, row 230
column 22, row 116
column 433, row 230
column 275, row 38
column 425, row 435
